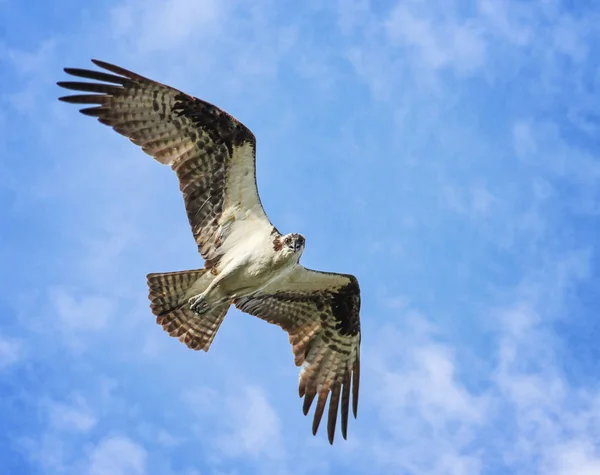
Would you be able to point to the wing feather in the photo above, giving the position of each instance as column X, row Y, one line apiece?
column 214, row 157
column 212, row 153
column 320, row 312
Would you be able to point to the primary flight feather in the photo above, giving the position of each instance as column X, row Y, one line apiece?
column 249, row 263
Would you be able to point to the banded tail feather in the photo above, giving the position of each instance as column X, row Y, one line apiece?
column 248, row 262
column 169, row 294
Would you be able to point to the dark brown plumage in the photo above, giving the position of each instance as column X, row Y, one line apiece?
column 328, row 346
column 194, row 137
column 213, row 156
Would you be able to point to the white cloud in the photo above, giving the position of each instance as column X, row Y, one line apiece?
column 417, row 387
column 439, row 42
column 222, row 46
column 525, row 143
column 471, row 200
column 556, row 422
column 202, row 401
column 370, row 65
column 165, row 25
column 538, row 422
column 78, row 317
column 116, row 455
column 55, row 446
column 543, row 147
column 425, row 380
column 507, row 20
column 31, row 62
column 28, row 66
column 352, row 15
column 423, row 403
column 11, row 351
column 74, row 416
column 47, row 450
column 575, row 458
column 539, row 46
column 81, row 313
column 166, row 438
column 255, row 427
column 251, row 426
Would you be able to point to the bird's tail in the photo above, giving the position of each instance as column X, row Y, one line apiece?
column 169, row 294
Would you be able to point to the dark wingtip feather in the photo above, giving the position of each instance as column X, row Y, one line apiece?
column 84, row 99
column 334, row 404
column 99, row 62
column 355, row 386
column 319, row 411
column 74, row 71
column 308, row 400
column 118, row 70
column 93, row 111
column 97, row 75
column 345, row 403
column 89, row 87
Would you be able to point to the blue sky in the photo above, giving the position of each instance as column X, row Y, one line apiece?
column 446, row 153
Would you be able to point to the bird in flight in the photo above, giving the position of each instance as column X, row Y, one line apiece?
column 248, row 262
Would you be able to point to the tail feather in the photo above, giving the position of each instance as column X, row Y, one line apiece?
column 169, row 303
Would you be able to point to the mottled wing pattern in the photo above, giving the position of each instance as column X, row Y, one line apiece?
column 320, row 312
column 211, row 152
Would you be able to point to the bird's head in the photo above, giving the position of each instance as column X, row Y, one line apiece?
column 294, row 242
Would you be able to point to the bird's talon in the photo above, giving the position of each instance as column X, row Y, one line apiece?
column 198, row 305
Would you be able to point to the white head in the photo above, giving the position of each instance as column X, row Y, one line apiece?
column 293, row 242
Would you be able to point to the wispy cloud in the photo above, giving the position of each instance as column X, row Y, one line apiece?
column 255, row 427
column 165, row 26
column 440, row 42
column 116, row 455
column 445, row 153
column 11, row 351
column 73, row 416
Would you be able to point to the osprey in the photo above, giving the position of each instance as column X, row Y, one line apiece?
column 248, row 262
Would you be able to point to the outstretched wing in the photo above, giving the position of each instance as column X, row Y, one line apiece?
column 320, row 312
column 211, row 152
